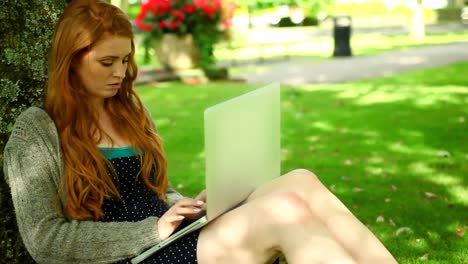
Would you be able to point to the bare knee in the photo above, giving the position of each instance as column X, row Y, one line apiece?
column 301, row 178
column 288, row 208
column 303, row 174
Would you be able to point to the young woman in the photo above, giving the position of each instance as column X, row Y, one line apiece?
column 89, row 182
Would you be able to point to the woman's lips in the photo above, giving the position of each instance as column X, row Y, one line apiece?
column 115, row 85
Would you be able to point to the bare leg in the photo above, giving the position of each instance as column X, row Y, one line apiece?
column 258, row 230
column 340, row 222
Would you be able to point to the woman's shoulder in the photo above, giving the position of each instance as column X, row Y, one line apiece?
column 34, row 121
column 33, row 113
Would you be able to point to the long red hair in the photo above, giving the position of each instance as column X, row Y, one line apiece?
column 86, row 181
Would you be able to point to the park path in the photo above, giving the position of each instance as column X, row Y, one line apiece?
column 299, row 71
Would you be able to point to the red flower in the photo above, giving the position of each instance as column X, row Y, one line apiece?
column 139, row 19
column 226, row 23
column 161, row 24
column 173, row 24
column 209, row 7
column 189, row 9
column 179, row 15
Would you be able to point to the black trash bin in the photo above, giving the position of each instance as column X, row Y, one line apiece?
column 342, row 36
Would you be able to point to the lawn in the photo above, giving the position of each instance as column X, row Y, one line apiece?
column 394, row 150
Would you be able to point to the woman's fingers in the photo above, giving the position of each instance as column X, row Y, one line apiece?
column 189, row 202
column 174, row 218
column 184, row 211
column 188, row 207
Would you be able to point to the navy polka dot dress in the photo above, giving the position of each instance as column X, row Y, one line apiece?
column 138, row 203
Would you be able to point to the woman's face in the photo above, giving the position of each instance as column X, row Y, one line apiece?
column 103, row 68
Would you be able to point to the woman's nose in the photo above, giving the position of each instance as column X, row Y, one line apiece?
column 119, row 70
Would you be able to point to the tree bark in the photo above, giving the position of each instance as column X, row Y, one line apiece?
column 25, row 37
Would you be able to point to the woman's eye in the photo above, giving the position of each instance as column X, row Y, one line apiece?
column 106, row 64
column 125, row 61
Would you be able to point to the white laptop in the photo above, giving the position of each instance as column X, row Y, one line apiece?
column 242, row 151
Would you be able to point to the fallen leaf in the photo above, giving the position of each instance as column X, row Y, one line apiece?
column 417, row 240
column 348, row 162
column 461, row 119
column 333, row 188
column 443, row 153
column 387, row 200
column 424, row 257
column 380, row 219
column 430, row 195
column 180, row 186
column 357, row 189
column 391, row 222
column 404, row 229
column 394, row 188
column 460, row 231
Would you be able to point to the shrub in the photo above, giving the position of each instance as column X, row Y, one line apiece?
column 207, row 20
column 26, row 32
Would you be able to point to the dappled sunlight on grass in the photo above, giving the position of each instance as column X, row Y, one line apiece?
column 393, row 147
column 324, row 126
column 369, row 94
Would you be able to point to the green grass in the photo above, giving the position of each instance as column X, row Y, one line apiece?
column 377, row 144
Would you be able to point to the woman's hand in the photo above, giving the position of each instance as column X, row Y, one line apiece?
column 200, row 197
column 185, row 208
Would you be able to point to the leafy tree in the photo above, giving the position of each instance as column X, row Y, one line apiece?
column 25, row 37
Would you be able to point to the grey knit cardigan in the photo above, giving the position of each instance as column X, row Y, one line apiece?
column 33, row 166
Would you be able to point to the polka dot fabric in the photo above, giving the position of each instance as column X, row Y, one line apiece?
column 138, row 203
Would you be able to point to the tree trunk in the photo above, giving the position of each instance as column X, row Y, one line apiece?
column 25, row 37
column 417, row 27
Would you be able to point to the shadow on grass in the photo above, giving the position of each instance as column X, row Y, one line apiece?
column 403, row 160
column 392, row 149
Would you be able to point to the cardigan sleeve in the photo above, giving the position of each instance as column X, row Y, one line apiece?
column 30, row 170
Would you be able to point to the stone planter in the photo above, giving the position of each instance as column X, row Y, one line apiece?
column 177, row 52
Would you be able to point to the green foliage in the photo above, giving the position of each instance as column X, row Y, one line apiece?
column 26, row 31
column 448, row 14
column 205, row 21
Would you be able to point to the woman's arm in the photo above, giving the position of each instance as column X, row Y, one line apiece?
column 32, row 170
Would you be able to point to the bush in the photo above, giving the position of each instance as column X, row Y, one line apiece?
column 448, row 14
column 310, row 21
column 26, row 32
column 285, row 22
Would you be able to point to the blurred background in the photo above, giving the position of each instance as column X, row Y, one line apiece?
column 266, row 29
